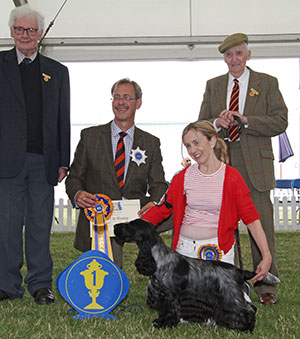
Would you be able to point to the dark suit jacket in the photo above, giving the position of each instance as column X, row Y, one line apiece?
column 56, row 116
column 267, row 117
column 93, row 171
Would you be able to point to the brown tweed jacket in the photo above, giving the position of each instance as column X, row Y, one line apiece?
column 267, row 117
column 93, row 170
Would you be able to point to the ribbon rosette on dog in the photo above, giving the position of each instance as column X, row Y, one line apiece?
column 98, row 216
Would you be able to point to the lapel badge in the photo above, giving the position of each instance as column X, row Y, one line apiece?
column 253, row 92
column 138, row 156
column 46, row 77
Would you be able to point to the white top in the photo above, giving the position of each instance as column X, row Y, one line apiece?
column 204, row 197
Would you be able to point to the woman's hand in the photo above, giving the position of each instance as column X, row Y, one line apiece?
column 263, row 268
column 147, row 207
column 259, row 236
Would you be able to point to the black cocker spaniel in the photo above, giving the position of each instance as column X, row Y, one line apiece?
column 181, row 288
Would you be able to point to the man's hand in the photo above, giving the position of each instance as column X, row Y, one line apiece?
column 243, row 119
column 62, row 173
column 226, row 119
column 85, row 199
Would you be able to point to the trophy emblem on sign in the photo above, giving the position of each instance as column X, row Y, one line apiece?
column 94, row 279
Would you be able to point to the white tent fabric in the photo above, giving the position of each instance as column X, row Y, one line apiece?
column 95, row 30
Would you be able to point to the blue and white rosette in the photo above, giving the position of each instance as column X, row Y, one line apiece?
column 209, row 252
column 138, row 156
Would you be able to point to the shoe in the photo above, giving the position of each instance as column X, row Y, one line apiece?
column 267, row 299
column 3, row 296
column 43, row 296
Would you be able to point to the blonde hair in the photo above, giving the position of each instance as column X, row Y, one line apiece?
column 208, row 130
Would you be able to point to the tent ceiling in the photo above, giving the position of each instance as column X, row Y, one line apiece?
column 160, row 48
column 160, row 29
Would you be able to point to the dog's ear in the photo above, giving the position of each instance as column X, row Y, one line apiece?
column 144, row 232
column 145, row 263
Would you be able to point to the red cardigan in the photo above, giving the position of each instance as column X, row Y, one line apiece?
column 236, row 204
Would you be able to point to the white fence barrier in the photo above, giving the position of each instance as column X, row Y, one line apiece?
column 286, row 215
column 64, row 217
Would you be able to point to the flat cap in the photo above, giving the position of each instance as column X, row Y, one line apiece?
column 233, row 40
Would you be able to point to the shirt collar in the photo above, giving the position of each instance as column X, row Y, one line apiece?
column 21, row 56
column 115, row 130
column 242, row 78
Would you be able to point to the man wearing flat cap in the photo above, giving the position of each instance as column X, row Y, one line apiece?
column 247, row 109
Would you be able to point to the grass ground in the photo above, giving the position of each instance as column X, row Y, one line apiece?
column 24, row 319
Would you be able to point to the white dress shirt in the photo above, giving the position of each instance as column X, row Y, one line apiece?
column 243, row 83
column 128, row 141
column 21, row 56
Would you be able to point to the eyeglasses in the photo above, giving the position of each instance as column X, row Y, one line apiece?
column 30, row 31
column 125, row 97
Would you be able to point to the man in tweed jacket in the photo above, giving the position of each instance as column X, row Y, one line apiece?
column 263, row 115
column 93, row 170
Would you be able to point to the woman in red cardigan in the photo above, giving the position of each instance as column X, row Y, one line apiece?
column 208, row 198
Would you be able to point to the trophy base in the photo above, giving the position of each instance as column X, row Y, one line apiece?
column 93, row 306
column 83, row 315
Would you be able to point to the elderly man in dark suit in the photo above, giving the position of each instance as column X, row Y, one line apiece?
column 93, row 169
column 34, row 156
column 253, row 99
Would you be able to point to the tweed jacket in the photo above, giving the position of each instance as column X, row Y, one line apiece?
column 93, row 171
column 267, row 117
column 56, row 116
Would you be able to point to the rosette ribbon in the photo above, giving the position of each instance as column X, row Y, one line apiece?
column 99, row 216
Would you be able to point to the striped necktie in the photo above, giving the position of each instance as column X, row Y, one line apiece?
column 120, row 159
column 234, row 106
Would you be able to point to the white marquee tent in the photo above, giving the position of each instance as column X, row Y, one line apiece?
column 161, row 29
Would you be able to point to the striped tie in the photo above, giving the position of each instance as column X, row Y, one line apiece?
column 234, row 106
column 120, row 159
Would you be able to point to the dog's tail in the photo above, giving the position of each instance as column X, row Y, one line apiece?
column 269, row 279
column 247, row 275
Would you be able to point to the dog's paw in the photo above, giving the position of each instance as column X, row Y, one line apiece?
column 162, row 323
column 157, row 323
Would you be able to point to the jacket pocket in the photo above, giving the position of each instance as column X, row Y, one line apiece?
column 267, row 153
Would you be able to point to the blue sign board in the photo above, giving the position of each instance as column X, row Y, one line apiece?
column 93, row 285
